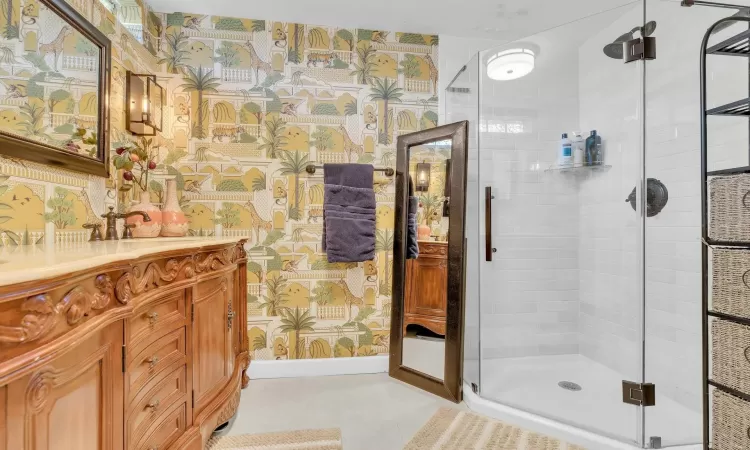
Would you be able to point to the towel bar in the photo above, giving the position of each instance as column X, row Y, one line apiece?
column 388, row 171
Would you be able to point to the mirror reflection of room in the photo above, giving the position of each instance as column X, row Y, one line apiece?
column 427, row 257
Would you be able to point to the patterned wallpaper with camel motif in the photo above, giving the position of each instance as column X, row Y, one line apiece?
column 250, row 103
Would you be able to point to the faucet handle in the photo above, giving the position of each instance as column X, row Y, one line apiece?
column 127, row 232
column 110, row 213
column 96, row 232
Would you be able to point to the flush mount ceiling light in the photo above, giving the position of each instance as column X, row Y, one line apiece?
column 510, row 64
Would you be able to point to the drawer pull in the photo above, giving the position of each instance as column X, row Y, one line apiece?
column 152, row 361
column 152, row 317
column 154, row 405
column 154, row 448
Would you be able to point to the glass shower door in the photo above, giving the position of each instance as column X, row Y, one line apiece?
column 462, row 103
column 561, row 250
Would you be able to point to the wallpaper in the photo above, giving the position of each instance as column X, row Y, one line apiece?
column 250, row 104
column 39, row 203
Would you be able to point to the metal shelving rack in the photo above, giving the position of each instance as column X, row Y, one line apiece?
column 737, row 46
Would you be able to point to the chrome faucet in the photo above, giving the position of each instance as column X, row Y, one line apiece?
column 112, row 216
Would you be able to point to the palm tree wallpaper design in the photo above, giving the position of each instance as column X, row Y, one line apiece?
column 238, row 146
column 200, row 81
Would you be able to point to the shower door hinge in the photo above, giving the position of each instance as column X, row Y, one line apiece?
column 639, row 394
column 639, row 49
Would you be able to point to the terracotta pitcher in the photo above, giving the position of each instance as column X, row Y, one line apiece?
column 145, row 229
column 174, row 222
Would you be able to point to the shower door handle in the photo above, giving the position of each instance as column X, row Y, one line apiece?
column 489, row 249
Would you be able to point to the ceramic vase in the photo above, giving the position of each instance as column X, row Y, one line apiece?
column 423, row 232
column 145, row 229
column 174, row 222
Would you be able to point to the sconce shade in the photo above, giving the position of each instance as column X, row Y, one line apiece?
column 145, row 110
column 423, row 176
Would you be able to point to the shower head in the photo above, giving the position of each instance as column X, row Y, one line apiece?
column 615, row 51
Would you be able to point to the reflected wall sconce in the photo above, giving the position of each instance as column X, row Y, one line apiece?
column 423, row 176
column 144, row 114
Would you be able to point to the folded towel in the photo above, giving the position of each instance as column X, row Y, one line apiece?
column 412, row 247
column 349, row 213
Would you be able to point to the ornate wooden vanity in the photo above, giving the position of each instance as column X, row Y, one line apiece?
column 426, row 287
column 121, row 345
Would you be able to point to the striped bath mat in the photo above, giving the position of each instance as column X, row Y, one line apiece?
column 286, row 440
column 451, row 429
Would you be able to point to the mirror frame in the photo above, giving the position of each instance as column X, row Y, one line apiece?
column 450, row 387
column 17, row 147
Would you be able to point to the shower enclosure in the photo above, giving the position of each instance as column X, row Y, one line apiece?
column 584, row 274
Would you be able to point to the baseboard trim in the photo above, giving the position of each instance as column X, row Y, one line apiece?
column 317, row 367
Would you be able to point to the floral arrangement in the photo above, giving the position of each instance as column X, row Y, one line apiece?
column 136, row 161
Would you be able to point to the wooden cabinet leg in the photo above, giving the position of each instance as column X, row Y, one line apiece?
column 245, row 378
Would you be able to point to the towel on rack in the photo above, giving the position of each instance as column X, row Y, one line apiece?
column 412, row 247
column 348, row 213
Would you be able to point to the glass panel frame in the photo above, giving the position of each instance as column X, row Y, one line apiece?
column 536, row 344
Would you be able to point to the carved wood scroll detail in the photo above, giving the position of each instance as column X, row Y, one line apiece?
column 230, row 408
column 134, row 283
column 218, row 260
column 43, row 314
column 434, row 250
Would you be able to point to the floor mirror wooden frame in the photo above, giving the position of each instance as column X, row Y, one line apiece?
column 450, row 387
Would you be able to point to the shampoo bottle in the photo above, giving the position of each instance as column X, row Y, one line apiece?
column 594, row 155
column 579, row 146
column 566, row 152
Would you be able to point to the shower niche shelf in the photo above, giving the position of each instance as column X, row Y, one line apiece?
column 738, row 45
column 578, row 170
column 738, row 109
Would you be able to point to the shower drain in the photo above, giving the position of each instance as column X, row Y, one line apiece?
column 569, row 386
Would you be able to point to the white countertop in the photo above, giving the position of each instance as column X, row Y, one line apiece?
column 37, row 262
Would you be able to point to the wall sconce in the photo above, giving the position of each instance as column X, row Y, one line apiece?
column 423, row 176
column 145, row 112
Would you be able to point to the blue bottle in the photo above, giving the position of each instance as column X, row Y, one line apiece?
column 593, row 155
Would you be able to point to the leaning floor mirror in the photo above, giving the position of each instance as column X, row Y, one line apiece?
column 428, row 266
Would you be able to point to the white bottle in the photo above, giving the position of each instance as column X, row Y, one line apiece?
column 579, row 144
column 566, row 152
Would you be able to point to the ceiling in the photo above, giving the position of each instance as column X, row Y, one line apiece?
column 492, row 19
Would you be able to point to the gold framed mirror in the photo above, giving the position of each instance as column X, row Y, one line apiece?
column 54, row 70
column 428, row 267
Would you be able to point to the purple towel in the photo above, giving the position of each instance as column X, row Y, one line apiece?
column 412, row 246
column 349, row 213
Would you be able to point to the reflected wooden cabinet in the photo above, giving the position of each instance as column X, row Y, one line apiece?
column 426, row 294
column 138, row 355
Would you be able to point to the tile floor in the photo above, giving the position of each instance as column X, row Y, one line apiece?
column 374, row 412
column 425, row 355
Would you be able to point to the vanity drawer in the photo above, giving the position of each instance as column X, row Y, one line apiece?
column 166, row 429
column 157, row 397
column 730, row 281
column 161, row 315
column 731, row 422
column 154, row 361
column 730, row 354
column 729, row 208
